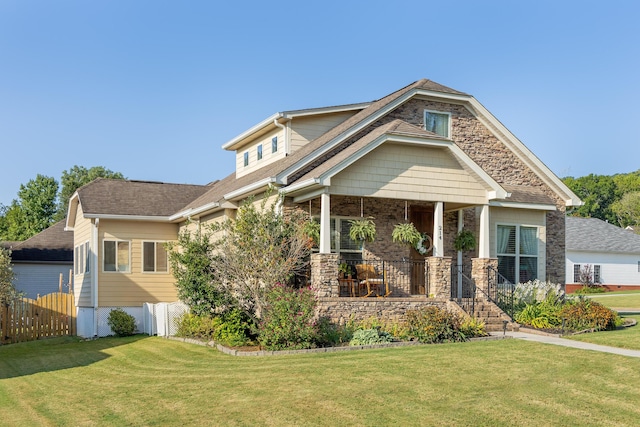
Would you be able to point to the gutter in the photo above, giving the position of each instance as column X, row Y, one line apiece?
column 249, row 188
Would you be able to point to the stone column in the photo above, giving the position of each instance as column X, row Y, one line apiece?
column 479, row 273
column 324, row 275
column 440, row 276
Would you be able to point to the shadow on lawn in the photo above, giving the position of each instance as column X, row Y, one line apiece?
column 54, row 354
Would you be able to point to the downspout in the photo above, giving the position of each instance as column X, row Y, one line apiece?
column 284, row 131
column 94, row 275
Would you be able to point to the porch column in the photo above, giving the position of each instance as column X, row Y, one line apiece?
column 438, row 224
column 325, row 223
column 483, row 244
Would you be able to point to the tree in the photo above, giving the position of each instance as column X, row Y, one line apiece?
column 36, row 206
column 12, row 223
column 7, row 289
column 627, row 209
column 597, row 192
column 75, row 178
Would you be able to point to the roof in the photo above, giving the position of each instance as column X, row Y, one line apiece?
column 522, row 194
column 50, row 245
column 595, row 235
column 136, row 198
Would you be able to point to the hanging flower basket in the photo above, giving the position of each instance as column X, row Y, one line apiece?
column 406, row 234
column 464, row 241
column 362, row 230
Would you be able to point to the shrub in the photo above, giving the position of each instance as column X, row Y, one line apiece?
column 121, row 323
column 434, row 325
column 329, row 334
column 231, row 328
column 194, row 326
column 288, row 319
column 583, row 313
column 473, row 327
column 595, row 289
column 370, row 337
column 397, row 329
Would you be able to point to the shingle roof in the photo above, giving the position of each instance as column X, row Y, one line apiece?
column 50, row 245
column 595, row 235
column 144, row 198
column 522, row 194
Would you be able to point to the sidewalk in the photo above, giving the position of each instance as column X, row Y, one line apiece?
column 570, row 343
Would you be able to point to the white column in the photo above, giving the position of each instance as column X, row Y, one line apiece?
column 325, row 223
column 438, row 226
column 483, row 244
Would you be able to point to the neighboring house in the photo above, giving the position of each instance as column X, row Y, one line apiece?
column 39, row 261
column 611, row 253
column 425, row 153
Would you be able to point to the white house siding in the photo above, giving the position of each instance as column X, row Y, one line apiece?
column 616, row 269
column 308, row 128
column 524, row 217
column 41, row 279
column 410, row 173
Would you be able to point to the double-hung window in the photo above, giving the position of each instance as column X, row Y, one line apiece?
column 341, row 243
column 437, row 122
column 154, row 257
column 116, row 256
column 517, row 250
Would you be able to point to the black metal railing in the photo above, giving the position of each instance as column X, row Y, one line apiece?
column 383, row 278
column 463, row 288
column 501, row 291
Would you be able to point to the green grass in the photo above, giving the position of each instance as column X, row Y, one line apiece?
column 623, row 338
column 623, row 299
column 151, row 381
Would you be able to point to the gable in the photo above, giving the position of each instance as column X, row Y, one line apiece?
column 412, row 173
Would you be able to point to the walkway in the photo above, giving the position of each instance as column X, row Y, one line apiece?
column 570, row 343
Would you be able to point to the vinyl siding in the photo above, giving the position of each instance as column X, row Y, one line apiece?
column 615, row 269
column 82, row 282
column 41, row 279
column 135, row 287
column 306, row 129
column 410, row 173
column 268, row 156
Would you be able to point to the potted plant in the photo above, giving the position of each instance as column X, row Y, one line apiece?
column 464, row 241
column 405, row 234
column 362, row 230
column 345, row 270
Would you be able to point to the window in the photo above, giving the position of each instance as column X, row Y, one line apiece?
column 274, row 144
column 517, row 249
column 596, row 273
column 340, row 241
column 81, row 257
column 437, row 123
column 116, row 256
column 577, row 269
column 259, row 152
column 86, row 257
column 154, row 257
column 246, row 158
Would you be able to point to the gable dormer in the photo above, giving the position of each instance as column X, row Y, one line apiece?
column 283, row 134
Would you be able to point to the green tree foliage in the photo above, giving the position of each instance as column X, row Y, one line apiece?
column 76, row 177
column 597, row 192
column 627, row 209
column 7, row 289
column 11, row 223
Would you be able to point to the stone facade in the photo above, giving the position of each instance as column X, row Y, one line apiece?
column 479, row 270
column 341, row 310
column 324, row 275
column 439, row 271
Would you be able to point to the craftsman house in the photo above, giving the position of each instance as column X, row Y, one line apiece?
column 425, row 154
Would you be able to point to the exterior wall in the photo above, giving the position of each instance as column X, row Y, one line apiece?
column 267, row 155
column 341, row 310
column 82, row 281
column 616, row 270
column 134, row 288
column 307, row 128
column 41, row 279
column 509, row 216
column 402, row 172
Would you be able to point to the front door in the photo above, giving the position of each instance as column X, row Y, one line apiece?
column 422, row 218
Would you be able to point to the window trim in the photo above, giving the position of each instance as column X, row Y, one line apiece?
column 246, row 158
column 274, row 144
column 155, row 258
column 81, row 259
column 117, row 270
column 444, row 113
column 517, row 255
column 335, row 242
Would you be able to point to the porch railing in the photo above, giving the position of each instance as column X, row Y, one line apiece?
column 463, row 288
column 501, row 291
column 383, row 278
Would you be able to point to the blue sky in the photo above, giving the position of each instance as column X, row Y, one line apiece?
column 152, row 89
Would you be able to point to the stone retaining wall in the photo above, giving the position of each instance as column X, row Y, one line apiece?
column 341, row 310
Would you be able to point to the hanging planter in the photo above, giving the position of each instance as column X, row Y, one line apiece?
column 464, row 241
column 406, row 234
column 362, row 230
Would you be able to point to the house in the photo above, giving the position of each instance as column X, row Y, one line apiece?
column 425, row 153
column 612, row 254
column 39, row 261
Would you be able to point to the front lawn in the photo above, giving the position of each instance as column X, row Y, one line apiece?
column 623, row 338
column 622, row 299
column 152, row 381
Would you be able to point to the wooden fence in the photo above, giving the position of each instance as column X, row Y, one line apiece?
column 24, row 319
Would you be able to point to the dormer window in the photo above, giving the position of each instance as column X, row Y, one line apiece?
column 259, row 152
column 274, row 144
column 437, row 122
column 246, row 158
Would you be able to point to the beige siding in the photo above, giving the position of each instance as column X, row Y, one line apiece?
column 268, row 156
column 526, row 217
column 82, row 282
column 410, row 173
column 305, row 129
column 135, row 287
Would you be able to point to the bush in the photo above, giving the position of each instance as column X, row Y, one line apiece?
column 595, row 289
column 370, row 337
column 231, row 328
column 473, row 327
column 329, row 334
column 434, row 325
column 288, row 319
column 121, row 323
column 583, row 313
column 542, row 315
column 397, row 329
